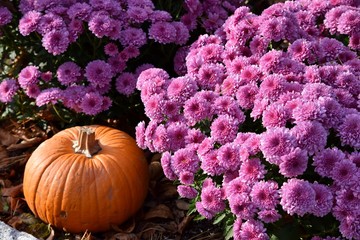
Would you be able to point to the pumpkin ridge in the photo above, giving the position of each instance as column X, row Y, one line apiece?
column 38, row 180
column 96, row 194
column 108, row 174
column 44, row 175
column 75, row 162
column 127, row 185
column 55, row 186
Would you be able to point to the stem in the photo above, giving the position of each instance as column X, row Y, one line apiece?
column 86, row 143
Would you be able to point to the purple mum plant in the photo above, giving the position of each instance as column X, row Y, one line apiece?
column 263, row 127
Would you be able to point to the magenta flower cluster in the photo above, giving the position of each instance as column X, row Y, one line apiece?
column 209, row 14
column 61, row 23
column 276, row 89
column 5, row 16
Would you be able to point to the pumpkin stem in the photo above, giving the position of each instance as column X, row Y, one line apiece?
column 86, row 143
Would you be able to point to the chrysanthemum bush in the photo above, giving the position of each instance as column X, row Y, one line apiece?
column 81, row 55
column 262, row 132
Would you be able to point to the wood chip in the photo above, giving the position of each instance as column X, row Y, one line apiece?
column 160, row 211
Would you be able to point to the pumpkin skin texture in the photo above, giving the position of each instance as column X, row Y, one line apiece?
column 78, row 193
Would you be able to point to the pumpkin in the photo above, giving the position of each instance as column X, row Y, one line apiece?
column 86, row 179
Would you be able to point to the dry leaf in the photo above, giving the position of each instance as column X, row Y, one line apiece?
column 156, row 157
column 124, row 236
column 160, row 211
column 15, row 222
column 166, row 190
column 14, row 191
column 6, row 138
column 155, row 171
column 184, row 223
column 151, row 230
column 182, row 204
column 25, row 144
column 3, row 153
column 126, row 227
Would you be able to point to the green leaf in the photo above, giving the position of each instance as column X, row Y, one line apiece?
column 229, row 232
column 219, row 218
column 199, row 217
column 273, row 237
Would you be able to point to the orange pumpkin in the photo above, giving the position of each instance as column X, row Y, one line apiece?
column 86, row 178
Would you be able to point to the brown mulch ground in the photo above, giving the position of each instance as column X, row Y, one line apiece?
column 163, row 215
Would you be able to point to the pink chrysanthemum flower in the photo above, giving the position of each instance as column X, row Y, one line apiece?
column 181, row 88
column 344, row 172
column 29, row 76
column 310, row 136
column 177, row 132
column 153, row 107
column 275, row 115
column 224, row 129
column 140, row 135
column 126, row 83
column 28, row 23
column 349, row 22
column 185, row 159
column 33, row 91
column 8, row 88
column 230, row 85
column 48, row 96
column 349, row 130
column 133, row 37
column 212, row 198
column 111, row 49
column 182, row 33
column 98, row 73
column 265, row 195
column 187, row 191
column 325, row 160
column 228, row 156
column 100, row 24
column 162, row 32
column 56, row 41
column 228, row 105
column 276, row 142
column 92, row 103
column 137, row 14
column 50, row 22
column 253, row 230
column 210, row 75
column 68, row 73
column 245, row 95
column 269, row 215
column 252, row 170
column 236, row 186
column 242, row 206
column 197, row 109
column 160, row 140
column 294, row 163
column 211, row 53
column 80, row 10
column 350, row 227
column 297, row 197
column 166, row 163
column 210, row 163
column 5, row 16
column 202, row 211
column 323, row 200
